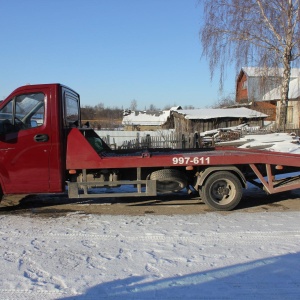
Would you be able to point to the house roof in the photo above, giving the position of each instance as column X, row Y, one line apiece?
column 275, row 94
column 142, row 118
column 258, row 72
column 214, row 113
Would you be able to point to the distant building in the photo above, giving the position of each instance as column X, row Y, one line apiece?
column 142, row 121
column 293, row 109
column 259, row 89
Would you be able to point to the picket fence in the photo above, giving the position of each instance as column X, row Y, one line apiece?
column 179, row 141
column 175, row 140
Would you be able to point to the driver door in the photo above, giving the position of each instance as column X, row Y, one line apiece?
column 25, row 144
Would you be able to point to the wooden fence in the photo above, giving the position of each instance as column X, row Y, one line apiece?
column 173, row 140
column 194, row 140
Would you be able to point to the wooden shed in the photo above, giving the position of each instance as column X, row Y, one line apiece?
column 200, row 120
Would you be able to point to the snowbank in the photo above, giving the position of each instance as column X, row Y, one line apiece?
column 280, row 142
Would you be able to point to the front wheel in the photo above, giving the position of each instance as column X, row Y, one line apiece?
column 222, row 191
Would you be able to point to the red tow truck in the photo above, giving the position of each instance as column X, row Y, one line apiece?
column 45, row 149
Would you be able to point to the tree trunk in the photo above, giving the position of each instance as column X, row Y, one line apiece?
column 281, row 116
column 286, row 59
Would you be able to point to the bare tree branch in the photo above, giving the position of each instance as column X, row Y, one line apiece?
column 263, row 33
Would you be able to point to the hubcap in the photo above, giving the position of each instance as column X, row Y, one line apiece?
column 222, row 192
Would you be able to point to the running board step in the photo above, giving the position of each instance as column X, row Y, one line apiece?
column 82, row 190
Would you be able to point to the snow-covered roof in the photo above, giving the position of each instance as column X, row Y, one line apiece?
column 257, row 72
column 213, row 113
column 142, row 118
column 175, row 107
column 275, row 94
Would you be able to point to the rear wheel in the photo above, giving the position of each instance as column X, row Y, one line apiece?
column 222, row 191
column 169, row 180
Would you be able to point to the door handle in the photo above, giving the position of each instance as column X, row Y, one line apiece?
column 41, row 138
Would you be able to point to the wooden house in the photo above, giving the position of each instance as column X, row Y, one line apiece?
column 293, row 109
column 259, row 89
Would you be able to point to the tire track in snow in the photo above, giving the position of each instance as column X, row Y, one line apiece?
column 13, row 294
column 208, row 237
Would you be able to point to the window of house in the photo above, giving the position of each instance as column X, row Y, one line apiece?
column 245, row 85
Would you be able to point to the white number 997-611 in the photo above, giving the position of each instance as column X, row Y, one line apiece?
column 191, row 160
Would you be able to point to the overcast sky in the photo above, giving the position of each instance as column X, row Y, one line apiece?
column 109, row 51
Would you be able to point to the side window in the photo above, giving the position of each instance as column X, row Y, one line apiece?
column 23, row 112
column 71, row 110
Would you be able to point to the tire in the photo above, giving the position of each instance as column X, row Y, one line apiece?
column 222, row 191
column 169, row 180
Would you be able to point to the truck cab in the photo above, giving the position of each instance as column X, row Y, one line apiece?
column 34, row 123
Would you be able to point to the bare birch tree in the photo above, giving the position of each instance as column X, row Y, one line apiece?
column 265, row 33
column 133, row 105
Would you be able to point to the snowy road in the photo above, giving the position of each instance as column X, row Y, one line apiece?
column 207, row 256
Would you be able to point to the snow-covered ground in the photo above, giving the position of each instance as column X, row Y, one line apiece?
column 207, row 256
